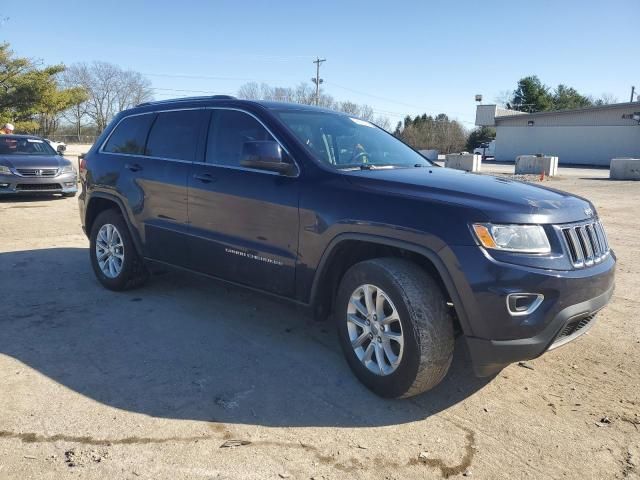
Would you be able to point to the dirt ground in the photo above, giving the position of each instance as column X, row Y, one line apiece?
column 188, row 378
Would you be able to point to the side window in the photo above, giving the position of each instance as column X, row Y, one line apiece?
column 175, row 135
column 130, row 135
column 228, row 131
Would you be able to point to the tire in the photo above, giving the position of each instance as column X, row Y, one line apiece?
column 424, row 322
column 69, row 195
column 132, row 271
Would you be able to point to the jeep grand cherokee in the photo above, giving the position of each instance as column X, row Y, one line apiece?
column 332, row 212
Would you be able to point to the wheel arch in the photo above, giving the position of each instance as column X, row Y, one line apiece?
column 98, row 203
column 348, row 249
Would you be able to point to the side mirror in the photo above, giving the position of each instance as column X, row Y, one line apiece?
column 265, row 155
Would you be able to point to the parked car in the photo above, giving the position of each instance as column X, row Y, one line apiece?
column 28, row 164
column 59, row 147
column 487, row 150
column 335, row 214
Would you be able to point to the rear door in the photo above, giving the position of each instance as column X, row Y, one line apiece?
column 244, row 221
column 155, row 152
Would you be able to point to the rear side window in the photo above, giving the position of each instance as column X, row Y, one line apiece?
column 130, row 135
column 228, row 131
column 175, row 135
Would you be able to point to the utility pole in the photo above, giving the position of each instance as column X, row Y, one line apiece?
column 317, row 80
column 633, row 91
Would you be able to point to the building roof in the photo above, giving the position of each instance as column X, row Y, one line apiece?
column 615, row 114
column 573, row 110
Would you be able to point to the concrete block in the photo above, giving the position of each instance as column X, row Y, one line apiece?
column 430, row 154
column 533, row 164
column 464, row 161
column 624, row 169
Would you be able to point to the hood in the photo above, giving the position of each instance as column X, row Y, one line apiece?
column 500, row 199
column 33, row 161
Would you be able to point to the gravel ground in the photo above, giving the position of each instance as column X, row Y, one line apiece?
column 188, row 378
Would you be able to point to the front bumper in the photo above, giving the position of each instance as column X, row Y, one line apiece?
column 15, row 184
column 491, row 356
column 497, row 338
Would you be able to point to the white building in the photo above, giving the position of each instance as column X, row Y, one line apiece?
column 591, row 136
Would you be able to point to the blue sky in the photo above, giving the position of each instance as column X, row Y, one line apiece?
column 400, row 57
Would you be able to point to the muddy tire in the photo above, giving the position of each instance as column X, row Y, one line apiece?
column 395, row 327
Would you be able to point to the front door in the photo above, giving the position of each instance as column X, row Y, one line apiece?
column 244, row 222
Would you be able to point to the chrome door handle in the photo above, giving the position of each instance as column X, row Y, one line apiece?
column 204, row 177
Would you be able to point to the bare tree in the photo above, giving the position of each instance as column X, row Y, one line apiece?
column 349, row 108
column 366, row 113
column 76, row 114
column 439, row 133
column 249, row 91
column 110, row 89
column 383, row 122
column 606, row 99
column 305, row 94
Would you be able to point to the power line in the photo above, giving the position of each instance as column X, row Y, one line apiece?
column 211, row 92
column 316, row 80
column 197, row 77
column 370, row 95
column 386, row 99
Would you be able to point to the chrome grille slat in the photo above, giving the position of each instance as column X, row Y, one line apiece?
column 595, row 240
column 604, row 236
column 595, row 246
column 37, row 172
column 600, row 235
column 586, row 243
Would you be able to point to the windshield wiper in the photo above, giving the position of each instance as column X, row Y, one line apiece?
column 364, row 166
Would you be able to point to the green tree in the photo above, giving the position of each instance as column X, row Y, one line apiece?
column 531, row 96
column 565, row 98
column 30, row 96
column 479, row 136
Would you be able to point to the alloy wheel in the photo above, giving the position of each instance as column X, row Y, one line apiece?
column 375, row 330
column 109, row 250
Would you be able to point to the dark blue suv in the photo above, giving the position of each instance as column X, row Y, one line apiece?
column 333, row 213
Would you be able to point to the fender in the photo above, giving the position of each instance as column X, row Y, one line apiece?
column 123, row 211
column 429, row 254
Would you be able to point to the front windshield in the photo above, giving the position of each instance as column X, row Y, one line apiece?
column 24, row 146
column 349, row 143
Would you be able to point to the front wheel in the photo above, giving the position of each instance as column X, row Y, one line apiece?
column 114, row 258
column 395, row 328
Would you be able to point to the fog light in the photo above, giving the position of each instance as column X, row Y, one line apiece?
column 523, row 303
column 4, row 185
column 69, row 184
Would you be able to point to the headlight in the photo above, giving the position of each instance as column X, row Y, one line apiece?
column 513, row 238
column 5, row 170
column 67, row 169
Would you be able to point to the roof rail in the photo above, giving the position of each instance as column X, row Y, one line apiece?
column 186, row 99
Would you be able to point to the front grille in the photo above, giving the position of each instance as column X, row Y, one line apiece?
column 573, row 328
column 587, row 243
column 38, row 186
column 37, row 172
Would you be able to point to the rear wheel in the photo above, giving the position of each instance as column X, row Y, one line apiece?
column 395, row 328
column 114, row 258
